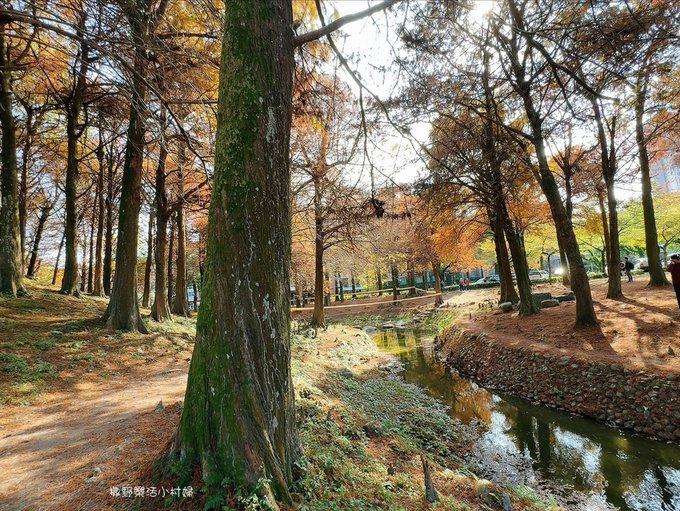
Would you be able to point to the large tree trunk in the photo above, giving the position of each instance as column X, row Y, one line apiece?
column 123, row 310
column 160, row 310
column 149, row 258
column 239, row 418
column 11, row 263
column 657, row 276
column 98, row 286
column 45, row 211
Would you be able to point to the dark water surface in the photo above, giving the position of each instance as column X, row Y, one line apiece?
column 525, row 442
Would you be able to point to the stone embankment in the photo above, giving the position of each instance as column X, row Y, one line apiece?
column 646, row 402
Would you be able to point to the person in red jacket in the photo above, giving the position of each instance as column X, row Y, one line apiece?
column 674, row 269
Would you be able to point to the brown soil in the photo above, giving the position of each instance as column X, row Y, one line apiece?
column 98, row 412
column 635, row 332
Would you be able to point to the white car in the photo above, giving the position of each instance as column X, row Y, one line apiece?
column 538, row 275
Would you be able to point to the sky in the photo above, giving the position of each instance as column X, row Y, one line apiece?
column 368, row 43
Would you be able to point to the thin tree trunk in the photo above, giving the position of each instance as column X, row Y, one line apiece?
column 378, row 278
column 508, row 293
column 657, row 276
column 149, row 258
column 83, row 263
column 73, row 108
column 180, row 305
column 318, row 314
column 438, row 300
column 108, row 238
column 160, row 310
column 171, row 253
column 23, row 183
column 395, row 281
column 98, row 286
column 56, row 263
column 90, row 262
column 605, row 234
column 195, row 286
column 608, row 164
column 45, row 211
column 11, row 263
column 239, row 414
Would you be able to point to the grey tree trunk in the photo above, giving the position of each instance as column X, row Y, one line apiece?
column 438, row 300
column 239, row 416
column 11, row 264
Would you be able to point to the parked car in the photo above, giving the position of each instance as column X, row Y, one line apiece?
column 489, row 279
column 642, row 264
column 538, row 275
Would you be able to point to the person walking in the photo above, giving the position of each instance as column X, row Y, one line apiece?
column 628, row 267
column 461, row 283
column 674, row 269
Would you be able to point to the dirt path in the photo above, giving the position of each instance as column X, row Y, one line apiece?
column 54, row 447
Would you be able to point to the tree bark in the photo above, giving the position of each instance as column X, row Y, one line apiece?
column 123, row 310
column 395, row 281
column 11, row 263
column 149, row 258
column 609, row 166
column 378, row 279
column 318, row 314
column 108, row 238
column 73, row 106
column 45, row 211
column 180, row 304
column 90, row 262
column 171, row 253
column 508, row 293
column 98, row 286
column 585, row 312
column 56, row 263
column 23, row 183
column 438, row 300
column 657, row 276
column 160, row 310
column 239, row 416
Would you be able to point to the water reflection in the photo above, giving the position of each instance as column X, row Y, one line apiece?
column 524, row 440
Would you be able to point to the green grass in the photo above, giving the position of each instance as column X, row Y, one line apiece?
column 22, row 370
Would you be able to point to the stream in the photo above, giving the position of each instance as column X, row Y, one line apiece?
column 601, row 467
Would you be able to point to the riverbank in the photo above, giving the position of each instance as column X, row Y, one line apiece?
column 624, row 372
